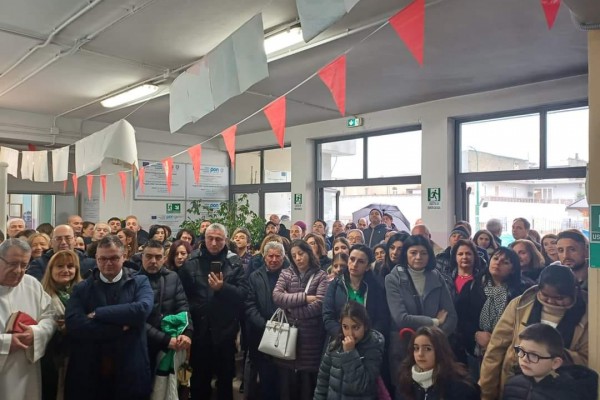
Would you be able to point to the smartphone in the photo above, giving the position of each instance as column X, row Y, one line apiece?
column 215, row 267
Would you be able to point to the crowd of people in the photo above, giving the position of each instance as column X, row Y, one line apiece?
column 110, row 311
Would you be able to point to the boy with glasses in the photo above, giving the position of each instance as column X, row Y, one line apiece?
column 541, row 356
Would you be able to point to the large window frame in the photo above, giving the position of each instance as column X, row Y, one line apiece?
column 543, row 172
column 321, row 184
column 258, row 188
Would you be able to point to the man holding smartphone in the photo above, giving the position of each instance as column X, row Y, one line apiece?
column 216, row 289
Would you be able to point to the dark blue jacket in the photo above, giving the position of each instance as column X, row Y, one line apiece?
column 37, row 267
column 93, row 339
column 375, row 235
column 337, row 297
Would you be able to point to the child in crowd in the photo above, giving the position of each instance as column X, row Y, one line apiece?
column 339, row 263
column 431, row 372
column 351, row 366
column 541, row 356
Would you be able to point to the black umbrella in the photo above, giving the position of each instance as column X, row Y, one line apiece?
column 400, row 220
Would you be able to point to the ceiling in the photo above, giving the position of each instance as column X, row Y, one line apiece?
column 470, row 46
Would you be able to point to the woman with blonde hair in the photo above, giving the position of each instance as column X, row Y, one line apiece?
column 62, row 274
column 39, row 243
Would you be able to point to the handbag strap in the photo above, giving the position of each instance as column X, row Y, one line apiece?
column 309, row 282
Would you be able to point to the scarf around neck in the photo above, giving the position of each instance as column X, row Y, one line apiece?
column 496, row 298
column 423, row 379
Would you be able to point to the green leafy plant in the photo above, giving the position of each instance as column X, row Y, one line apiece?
column 231, row 214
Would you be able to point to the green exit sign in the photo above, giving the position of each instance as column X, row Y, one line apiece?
column 173, row 208
column 354, row 122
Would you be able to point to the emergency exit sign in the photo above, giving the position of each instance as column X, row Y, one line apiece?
column 595, row 236
column 354, row 122
column 173, row 208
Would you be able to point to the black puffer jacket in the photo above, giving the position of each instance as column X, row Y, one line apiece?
column 353, row 374
column 214, row 313
column 573, row 382
column 455, row 390
column 172, row 301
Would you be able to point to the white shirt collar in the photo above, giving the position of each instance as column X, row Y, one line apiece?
column 115, row 280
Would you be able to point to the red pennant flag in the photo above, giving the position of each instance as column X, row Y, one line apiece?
column 167, row 164
column 195, row 153
column 550, row 11
column 275, row 113
column 74, row 179
column 229, row 139
column 333, row 76
column 90, row 185
column 123, row 178
column 142, row 179
column 103, row 184
column 31, row 147
column 409, row 24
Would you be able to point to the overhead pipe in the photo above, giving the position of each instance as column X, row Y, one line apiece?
column 55, row 32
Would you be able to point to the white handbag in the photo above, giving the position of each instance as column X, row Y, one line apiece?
column 279, row 338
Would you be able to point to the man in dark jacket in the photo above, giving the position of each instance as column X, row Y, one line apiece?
column 105, row 320
column 375, row 233
column 169, row 299
column 215, row 286
column 63, row 238
column 259, row 309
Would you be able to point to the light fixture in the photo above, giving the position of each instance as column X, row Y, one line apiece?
column 129, row 96
column 282, row 40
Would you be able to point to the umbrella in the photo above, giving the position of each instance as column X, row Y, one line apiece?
column 400, row 220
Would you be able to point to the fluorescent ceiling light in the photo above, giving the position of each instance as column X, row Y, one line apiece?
column 129, row 96
column 282, row 40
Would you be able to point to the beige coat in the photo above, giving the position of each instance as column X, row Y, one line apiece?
column 500, row 361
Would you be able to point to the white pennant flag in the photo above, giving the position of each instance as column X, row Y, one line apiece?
column 11, row 157
column 318, row 15
column 27, row 160
column 40, row 166
column 60, row 164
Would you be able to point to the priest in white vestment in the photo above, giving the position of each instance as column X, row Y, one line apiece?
column 20, row 375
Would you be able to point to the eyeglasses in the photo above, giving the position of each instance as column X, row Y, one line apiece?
column 15, row 264
column 112, row 260
column 62, row 238
column 531, row 357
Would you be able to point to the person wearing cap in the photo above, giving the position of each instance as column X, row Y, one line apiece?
column 281, row 229
column 298, row 230
column 572, row 247
column 443, row 258
column 375, row 232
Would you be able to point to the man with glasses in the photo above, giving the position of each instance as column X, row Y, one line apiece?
column 63, row 238
column 106, row 323
column 21, row 350
column 169, row 299
column 216, row 289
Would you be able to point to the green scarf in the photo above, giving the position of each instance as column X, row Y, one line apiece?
column 64, row 295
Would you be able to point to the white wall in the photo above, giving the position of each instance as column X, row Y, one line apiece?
column 436, row 118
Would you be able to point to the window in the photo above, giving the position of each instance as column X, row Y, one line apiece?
column 501, row 144
column 398, row 154
column 568, row 138
column 278, row 165
column 534, row 161
column 341, row 160
column 247, row 168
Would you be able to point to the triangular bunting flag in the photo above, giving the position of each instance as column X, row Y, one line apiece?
column 550, row 11
column 229, row 139
column 167, row 164
column 409, row 24
column 275, row 113
column 333, row 76
column 90, row 184
column 103, row 184
column 142, row 179
column 74, row 179
column 123, row 178
column 195, row 153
